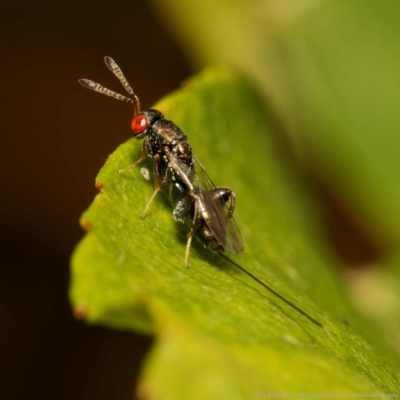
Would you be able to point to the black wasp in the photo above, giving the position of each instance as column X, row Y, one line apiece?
column 193, row 194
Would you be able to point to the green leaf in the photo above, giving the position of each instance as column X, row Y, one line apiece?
column 220, row 333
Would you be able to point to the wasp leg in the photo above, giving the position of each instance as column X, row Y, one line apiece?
column 231, row 195
column 192, row 232
column 157, row 174
column 143, row 154
column 223, row 194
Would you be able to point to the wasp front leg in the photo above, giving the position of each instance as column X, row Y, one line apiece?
column 157, row 176
column 143, row 154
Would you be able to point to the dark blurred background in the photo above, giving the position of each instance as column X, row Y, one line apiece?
column 54, row 138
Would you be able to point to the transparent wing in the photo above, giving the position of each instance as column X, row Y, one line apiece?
column 215, row 212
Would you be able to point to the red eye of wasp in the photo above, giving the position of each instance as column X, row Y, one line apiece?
column 139, row 124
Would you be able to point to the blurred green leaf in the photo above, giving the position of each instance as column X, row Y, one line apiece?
column 219, row 333
column 331, row 69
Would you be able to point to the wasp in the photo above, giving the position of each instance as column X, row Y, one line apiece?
column 192, row 193
column 194, row 196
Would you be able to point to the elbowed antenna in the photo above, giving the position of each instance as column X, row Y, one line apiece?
column 113, row 67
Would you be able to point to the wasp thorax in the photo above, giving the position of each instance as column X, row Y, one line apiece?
column 143, row 122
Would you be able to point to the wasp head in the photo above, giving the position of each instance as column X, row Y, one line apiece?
column 142, row 123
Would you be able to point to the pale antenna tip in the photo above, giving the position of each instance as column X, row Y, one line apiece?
column 108, row 60
column 86, row 83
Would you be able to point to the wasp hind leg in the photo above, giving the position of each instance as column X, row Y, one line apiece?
column 223, row 195
column 195, row 226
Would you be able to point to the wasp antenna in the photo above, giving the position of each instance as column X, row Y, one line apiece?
column 113, row 67
column 88, row 84
column 272, row 290
column 116, row 70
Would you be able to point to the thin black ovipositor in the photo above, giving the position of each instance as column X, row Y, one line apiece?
column 314, row 321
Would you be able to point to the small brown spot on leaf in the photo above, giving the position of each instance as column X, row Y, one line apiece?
column 145, row 392
column 80, row 311
column 86, row 225
column 100, row 186
column 187, row 84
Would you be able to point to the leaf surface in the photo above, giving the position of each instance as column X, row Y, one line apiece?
column 218, row 332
